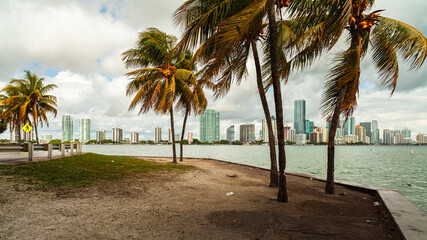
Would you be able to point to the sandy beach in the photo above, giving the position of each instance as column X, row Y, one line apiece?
column 192, row 205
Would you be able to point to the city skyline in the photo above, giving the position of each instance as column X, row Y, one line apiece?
column 99, row 75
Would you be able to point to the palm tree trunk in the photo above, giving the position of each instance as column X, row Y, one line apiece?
column 330, row 178
column 330, row 182
column 173, row 135
column 282, row 195
column 182, row 136
column 274, row 175
column 35, row 129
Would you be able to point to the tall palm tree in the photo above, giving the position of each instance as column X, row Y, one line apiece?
column 31, row 96
column 159, row 78
column 386, row 37
column 227, row 37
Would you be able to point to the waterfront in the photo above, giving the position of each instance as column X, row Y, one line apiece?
column 381, row 166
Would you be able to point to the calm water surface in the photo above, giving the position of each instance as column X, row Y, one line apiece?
column 381, row 166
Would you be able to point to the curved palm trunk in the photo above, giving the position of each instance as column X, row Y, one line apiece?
column 182, row 136
column 282, row 195
column 173, row 135
column 330, row 178
column 274, row 175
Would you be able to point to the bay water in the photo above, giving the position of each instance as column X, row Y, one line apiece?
column 390, row 167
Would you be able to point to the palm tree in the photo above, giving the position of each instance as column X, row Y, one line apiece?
column 196, row 104
column 228, row 37
column 386, row 37
column 31, row 96
column 160, row 78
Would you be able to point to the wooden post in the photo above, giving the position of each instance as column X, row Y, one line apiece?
column 62, row 150
column 30, row 151
column 71, row 149
column 49, row 151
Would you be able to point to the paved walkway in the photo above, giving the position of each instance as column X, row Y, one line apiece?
column 22, row 157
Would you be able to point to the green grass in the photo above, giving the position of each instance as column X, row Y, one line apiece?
column 85, row 170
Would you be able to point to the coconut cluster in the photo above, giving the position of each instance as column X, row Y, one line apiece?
column 284, row 3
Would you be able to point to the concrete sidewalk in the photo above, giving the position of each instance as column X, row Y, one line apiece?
column 22, row 157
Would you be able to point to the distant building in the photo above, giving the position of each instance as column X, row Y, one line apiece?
column 300, row 139
column 84, row 129
column 45, row 138
column 117, row 134
column 422, row 138
column 209, row 126
column 158, row 134
column 247, row 133
column 67, row 128
column 367, row 126
column 361, row 133
column 230, row 134
column 264, row 130
column 292, row 135
column 286, row 132
column 169, row 135
column 299, row 116
column 190, row 137
column 350, row 126
column 315, row 137
column 351, row 139
column 308, row 127
column 101, row 135
column 407, row 132
column 134, row 137
column 375, row 133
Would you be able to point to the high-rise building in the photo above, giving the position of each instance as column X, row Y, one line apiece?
column 134, row 137
column 247, row 133
column 375, row 133
column 67, row 128
column 299, row 116
column 45, row 138
column 169, row 135
column 361, row 133
column 190, row 137
column 422, row 138
column 286, row 132
column 209, row 126
column 350, row 126
column 307, row 127
column 264, row 135
column 84, row 129
column 315, row 137
column 407, row 132
column 291, row 135
column 367, row 126
column 117, row 134
column 158, row 134
column 230, row 134
column 100, row 135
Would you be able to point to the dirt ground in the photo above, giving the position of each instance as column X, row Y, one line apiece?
column 192, row 205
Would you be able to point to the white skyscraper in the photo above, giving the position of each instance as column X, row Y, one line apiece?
column 134, row 137
column 169, row 135
column 265, row 137
column 157, row 134
column 84, row 129
column 117, row 134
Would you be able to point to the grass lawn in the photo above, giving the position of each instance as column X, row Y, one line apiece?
column 85, row 170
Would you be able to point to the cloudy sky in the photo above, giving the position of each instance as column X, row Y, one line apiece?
column 77, row 45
